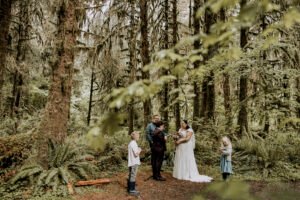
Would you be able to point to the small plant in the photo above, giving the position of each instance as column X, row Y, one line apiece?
column 66, row 163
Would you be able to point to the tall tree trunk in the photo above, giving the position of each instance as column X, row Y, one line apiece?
column 298, row 96
column 176, row 82
column 227, row 106
column 264, row 57
column 204, row 98
column 5, row 16
column 132, row 63
column 226, row 85
column 196, row 100
column 208, row 85
column 190, row 14
column 55, row 120
column 93, row 78
column 22, row 49
column 165, row 102
column 243, row 113
column 211, row 100
column 145, row 55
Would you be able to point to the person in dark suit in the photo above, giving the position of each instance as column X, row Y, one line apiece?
column 158, row 149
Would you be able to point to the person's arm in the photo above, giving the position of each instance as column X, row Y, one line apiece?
column 185, row 139
column 148, row 134
column 165, row 135
column 136, row 150
column 226, row 151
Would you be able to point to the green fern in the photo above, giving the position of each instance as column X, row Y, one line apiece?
column 66, row 164
column 274, row 156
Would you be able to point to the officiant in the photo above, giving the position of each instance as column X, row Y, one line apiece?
column 158, row 149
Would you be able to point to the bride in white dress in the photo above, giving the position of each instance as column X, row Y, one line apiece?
column 185, row 167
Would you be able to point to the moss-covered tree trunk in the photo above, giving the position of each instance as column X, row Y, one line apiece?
column 226, row 85
column 208, row 85
column 176, row 82
column 22, row 49
column 54, row 122
column 264, row 57
column 196, row 99
column 165, row 94
column 243, row 113
column 298, row 97
column 90, row 108
column 145, row 54
column 5, row 16
column 132, row 62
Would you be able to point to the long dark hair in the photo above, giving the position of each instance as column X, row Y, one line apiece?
column 187, row 124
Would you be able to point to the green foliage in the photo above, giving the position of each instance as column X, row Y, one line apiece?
column 66, row 163
column 114, row 156
column 95, row 139
column 237, row 190
column 142, row 90
column 274, row 156
column 279, row 191
column 14, row 149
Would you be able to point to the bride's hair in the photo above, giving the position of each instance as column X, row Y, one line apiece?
column 187, row 124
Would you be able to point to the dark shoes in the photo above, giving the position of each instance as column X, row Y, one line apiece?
column 132, row 190
column 160, row 179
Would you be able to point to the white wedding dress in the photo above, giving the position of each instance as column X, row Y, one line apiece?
column 185, row 167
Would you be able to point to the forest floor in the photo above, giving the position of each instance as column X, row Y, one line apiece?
column 171, row 189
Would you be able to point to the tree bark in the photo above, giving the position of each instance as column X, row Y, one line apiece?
column 176, row 82
column 243, row 113
column 132, row 63
column 264, row 57
column 145, row 55
column 91, row 98
column 5, row 16
column 165, row 100
column 226, row 86
column 196, row 100
column 211, row 96
column 56, row 115
column 93, row 182
column 208, row 85
column 298, row 96
column 190, row 14
column 22, row 49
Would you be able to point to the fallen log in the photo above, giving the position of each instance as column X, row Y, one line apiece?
column 93, row 182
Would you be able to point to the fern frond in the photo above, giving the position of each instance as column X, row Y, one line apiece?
column 55, row 184
column 73, row 154
column 66, row 151
column 26, row 174
column 50, row 176
column 79, row 171
column 31, row 166
column 63, row 172
column 58, row 152
column 42, row 178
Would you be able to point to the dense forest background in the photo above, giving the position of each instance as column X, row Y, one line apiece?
column 76, row 76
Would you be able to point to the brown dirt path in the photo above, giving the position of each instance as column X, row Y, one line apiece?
column 174, row 189
column 149, row 188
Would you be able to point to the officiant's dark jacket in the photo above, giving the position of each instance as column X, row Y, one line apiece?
column 159, row 143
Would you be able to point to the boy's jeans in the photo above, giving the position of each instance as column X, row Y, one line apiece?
column 132, row 173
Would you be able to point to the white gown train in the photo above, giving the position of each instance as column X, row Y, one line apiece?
column 185, row 167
